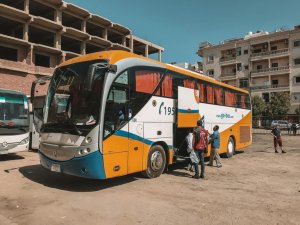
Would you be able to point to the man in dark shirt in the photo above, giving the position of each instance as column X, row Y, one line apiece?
column 276, row 133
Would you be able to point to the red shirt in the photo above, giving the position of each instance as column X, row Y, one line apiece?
column 203, row 141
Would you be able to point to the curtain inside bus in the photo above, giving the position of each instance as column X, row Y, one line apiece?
column 230, row 99
column 146, row 81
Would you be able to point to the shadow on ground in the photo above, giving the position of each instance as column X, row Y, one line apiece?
column 10, row 157
column 38, row 174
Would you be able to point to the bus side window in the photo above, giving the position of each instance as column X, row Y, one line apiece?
column 230, row 99
column 218, row 96
column 117, row 105
column 143, row 82
column 201, row 88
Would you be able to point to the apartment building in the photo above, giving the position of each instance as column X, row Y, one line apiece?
column 261, row 62
column 37, row 35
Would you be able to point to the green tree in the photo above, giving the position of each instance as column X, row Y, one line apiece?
column 258, row 105
column 279, row 104
column 297, row 110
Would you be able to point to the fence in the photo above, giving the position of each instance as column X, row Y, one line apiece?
column 263, row 124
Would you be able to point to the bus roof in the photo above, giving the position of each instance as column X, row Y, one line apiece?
column 11, row 92
column 116, row 55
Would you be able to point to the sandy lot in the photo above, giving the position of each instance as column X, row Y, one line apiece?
column 256, row 186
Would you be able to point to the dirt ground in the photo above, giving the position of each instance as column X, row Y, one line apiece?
column 256, row 186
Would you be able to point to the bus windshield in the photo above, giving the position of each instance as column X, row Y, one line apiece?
column 73, row 100
column 14, row 114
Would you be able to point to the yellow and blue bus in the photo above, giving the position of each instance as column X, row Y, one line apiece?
column 113, row 113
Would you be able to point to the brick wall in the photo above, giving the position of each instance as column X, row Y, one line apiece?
column 19, row 81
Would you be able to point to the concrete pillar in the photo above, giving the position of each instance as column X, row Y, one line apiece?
column 29, row 58
column 57, row 41
column 26, row 6
column 159, row 55
column 131, row 43
column 105, row 33
column 26, row 32
column 58, row 16
column 146, row 51
column 83, row 48
column 83, row 26
column 124, row 41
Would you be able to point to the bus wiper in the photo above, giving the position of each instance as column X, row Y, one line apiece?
column 71, row 123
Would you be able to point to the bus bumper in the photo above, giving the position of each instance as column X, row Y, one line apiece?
column 89, row 166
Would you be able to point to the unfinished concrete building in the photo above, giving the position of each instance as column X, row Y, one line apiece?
column 37, row 35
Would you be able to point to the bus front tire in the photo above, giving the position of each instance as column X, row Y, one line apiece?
column 156, row 162
column 230, row 148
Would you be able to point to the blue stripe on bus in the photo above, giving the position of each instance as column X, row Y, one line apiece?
column 188, row 111
column 89, row 166
column 126, row 134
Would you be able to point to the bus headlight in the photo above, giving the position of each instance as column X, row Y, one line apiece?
column 88, row 140
column 84, row 151
column 24, row 141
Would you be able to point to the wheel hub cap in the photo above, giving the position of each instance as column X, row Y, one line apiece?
column 156, row 161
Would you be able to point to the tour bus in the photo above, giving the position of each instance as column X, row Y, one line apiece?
column 14, row 122
column 113, row 113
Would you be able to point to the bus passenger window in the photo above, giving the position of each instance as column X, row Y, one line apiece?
column 218, row 96
column 146, row 81
column 201, row 88
column 166, row 86
column 230, row 99
column 243, row 101
column 209, row 94
column 188, row 83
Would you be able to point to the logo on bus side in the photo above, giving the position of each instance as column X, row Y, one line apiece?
column 166, row 110
column 225, row 116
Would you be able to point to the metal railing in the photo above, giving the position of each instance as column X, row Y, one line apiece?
column 268, row 86
column 273, row 52
column 272, row 69
column 227, row 59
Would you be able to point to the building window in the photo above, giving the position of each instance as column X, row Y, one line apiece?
column 42, row 60
column 274, row 65
column 239, row 66
column 8, row 53
column 246, row 52
column 238, row 51
column 296, row 97
column 297, row 80
column 274, row 83
column 297, row 43
column 244, row 83
column 297, row 61
column 273, row 48
column 210, row 58
column 246, row 67
column 210, row 72
column 266, row 97
column 259, row 67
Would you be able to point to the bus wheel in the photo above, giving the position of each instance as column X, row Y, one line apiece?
column 230, row 148
column 156, row 162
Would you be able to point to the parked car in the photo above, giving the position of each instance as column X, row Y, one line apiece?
column 282, row 124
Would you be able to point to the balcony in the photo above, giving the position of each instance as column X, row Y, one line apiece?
column 271, row 71
column 229, row 76
column 227, row 60
column 279, row 52
column 272, row 88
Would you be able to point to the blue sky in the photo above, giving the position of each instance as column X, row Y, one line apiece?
column 179, row 26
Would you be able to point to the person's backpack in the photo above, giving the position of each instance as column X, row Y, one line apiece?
column 197, row 136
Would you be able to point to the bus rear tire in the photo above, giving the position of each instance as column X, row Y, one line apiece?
column 156, row 162
column 230, row 147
